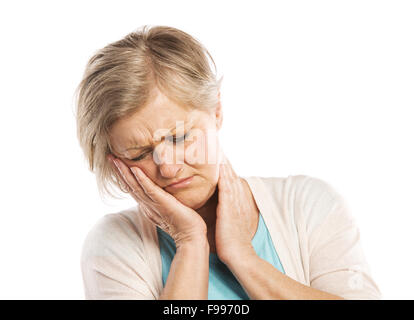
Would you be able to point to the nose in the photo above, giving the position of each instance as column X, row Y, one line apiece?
column 170, row 170
column 164, row 157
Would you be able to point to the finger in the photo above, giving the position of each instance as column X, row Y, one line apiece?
column 110, row 157
column 118, row 174
column 223, row 182
column 154, row 218
column 225, row 162
column 152, row 190
column 138, row 194
column 226, row 174
column 123, row 183
column 132, row 183
column 229, row 182
column 230, row 171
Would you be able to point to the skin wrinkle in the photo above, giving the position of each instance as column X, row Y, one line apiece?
column 139, row 129
column 176, row 129
column 153, row 139
column 259, row 278
column 128, row 74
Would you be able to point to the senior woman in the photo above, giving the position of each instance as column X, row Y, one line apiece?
column 148, row 116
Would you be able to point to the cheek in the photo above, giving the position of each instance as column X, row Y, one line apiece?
column 149, row 169
column 213, row 149
column 203, row 149
column 139, row 165
column 210, row 175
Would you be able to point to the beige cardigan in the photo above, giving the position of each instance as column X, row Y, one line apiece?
column 312, row 230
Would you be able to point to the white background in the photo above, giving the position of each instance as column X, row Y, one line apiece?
column 321, row 88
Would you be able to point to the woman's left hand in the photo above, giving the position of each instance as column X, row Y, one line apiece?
column 235, row 214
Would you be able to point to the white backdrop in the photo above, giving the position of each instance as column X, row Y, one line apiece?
column 321, row 88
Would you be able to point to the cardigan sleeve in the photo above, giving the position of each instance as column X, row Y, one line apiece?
column 337, row 264
column 112, row 262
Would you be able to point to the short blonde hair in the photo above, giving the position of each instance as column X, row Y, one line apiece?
column 119, row 79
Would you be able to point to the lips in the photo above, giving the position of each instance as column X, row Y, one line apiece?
column 179, row 181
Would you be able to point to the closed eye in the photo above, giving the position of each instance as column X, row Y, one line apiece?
column 180, row 139
column 140, row 157
column 169, row 138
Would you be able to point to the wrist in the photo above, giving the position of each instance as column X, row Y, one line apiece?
column 195, row 244
column 235, row 256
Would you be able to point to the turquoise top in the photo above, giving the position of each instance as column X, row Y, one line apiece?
column 222, row 285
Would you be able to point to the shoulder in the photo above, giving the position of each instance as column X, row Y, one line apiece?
column 299, row 186
column 114, row 235
column 324, row 235
column 114, row 262
column 303, row 198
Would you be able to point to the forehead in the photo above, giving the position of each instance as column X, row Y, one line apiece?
column 160, row 114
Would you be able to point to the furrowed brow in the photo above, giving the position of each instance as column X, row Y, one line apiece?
column 171, row 131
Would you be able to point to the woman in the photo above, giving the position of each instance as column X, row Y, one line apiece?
column 148, row 118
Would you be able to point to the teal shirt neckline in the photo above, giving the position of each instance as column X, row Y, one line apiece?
column 222, row 283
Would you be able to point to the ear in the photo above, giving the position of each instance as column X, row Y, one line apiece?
column 219, row 114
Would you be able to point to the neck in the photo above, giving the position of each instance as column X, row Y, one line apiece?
column 208, row 211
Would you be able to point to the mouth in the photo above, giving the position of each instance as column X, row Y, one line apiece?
column 180, row 183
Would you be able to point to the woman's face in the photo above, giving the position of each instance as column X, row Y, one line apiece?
column 169, row 143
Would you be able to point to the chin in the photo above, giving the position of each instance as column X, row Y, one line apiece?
column 193, row 199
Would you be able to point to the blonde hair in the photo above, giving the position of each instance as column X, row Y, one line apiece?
column 119, row 79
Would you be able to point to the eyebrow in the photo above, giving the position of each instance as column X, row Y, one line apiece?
column 171, row 131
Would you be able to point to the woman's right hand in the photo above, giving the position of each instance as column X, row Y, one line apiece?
column 182, row 223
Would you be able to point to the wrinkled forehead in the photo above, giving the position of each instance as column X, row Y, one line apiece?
column 151, row 121
column 143, row 128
